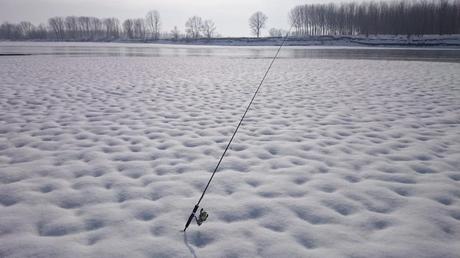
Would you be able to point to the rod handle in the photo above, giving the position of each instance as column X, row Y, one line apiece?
column 191, row 217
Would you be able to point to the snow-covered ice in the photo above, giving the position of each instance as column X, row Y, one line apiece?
column 106, row 157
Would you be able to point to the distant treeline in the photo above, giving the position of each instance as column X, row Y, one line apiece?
column 83, row 28
column 396, row 17
column 400, row 17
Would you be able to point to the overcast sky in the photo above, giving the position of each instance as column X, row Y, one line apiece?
column 230, row 16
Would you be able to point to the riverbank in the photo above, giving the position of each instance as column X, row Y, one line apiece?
column 345, row 40
column 361, row 40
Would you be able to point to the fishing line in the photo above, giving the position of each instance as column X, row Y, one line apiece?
column 203, row 215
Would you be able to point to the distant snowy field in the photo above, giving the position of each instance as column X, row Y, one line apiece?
column 106, row 156
column 337, row 40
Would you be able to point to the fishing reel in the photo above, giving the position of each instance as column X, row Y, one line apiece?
column 202, row 217
column 199, row 220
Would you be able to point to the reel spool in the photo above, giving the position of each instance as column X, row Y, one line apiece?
column 202, row 217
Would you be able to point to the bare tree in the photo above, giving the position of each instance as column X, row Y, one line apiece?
column 112, row 28
column 27, row 29
column 10, row 31
column 153, row 23
column 128, row 28
column 175, row 33
column 193, row 27
column 40, row 32
column 96, row 29
column 57, row 25
column 209, row 29
column 257, row 22
column 274, row 32
column 72, row 27
column 84, row 24
column 139, row 28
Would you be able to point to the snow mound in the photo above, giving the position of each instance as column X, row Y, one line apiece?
column 105, row 157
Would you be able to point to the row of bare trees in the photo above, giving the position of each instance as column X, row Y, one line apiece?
column 397, row 17
column 196, row 27
column 23, row 30
column 143, row 29
column 75, row 28
column 417, row 17
column 84, row 28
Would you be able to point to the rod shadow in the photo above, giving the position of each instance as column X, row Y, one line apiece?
column 190, row 248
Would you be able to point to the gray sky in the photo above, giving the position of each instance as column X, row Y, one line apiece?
column 230, row 16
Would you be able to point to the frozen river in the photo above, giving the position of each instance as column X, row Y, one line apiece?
column 346, row 152
column 153, row 50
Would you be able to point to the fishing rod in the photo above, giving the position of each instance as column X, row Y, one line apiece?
column 203, row 214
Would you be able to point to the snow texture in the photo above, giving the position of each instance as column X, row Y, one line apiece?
column 424, row 41
column 106, row 157
column 448, row 41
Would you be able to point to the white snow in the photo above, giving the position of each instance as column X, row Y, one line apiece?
column 106, row 157
column 426, row 41
column 444, row 41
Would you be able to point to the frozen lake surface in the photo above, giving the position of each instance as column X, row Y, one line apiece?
column 153, row 50
column 355, row 154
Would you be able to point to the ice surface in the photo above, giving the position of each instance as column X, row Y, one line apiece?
column 106, row 157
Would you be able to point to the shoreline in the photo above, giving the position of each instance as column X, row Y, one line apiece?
column 425, row 41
